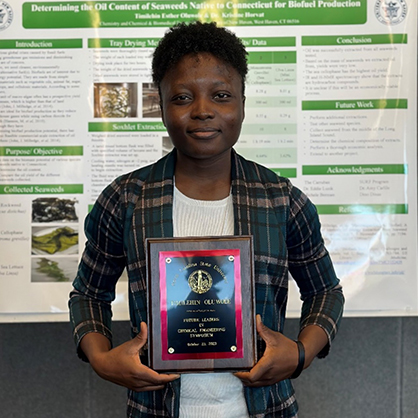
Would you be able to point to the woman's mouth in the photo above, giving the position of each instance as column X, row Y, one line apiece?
column 204, row 133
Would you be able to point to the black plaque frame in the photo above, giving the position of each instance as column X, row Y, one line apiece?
column 177, row 262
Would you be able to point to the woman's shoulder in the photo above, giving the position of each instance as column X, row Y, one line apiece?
column 281, row 191
column 131, row 184
column 255, row 172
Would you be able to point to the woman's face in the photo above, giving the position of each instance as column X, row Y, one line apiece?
column 202, row 106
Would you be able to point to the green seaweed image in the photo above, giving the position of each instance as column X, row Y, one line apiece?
column 56, row 241
column 51, row 269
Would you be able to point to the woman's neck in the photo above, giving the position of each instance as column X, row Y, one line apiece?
column 204, row 179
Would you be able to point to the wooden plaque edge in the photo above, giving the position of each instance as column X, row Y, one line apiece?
column 249, row 329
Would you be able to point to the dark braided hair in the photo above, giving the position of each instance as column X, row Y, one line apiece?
column 184, row 39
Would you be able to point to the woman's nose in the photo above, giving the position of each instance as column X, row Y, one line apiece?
column 202, row 108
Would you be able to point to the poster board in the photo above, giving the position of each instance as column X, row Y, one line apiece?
column 331, row 104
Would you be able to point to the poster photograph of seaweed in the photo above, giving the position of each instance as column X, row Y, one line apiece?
column 53, row 269
column 54, row 239
column 54, row 209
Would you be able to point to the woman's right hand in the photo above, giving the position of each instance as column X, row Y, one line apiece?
column 122, row 365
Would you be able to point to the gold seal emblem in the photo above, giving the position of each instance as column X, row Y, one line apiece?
column 200, row 281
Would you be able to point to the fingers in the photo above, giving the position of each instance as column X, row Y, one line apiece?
column 248, row 379
column 255, row 380
column 145, row 379
column 256, row 375
column 242, row 375
column 143, row 334
column 166, row 378
column 140, row 340
column 259, row 383
column 122, row 365
column 263, row 331
column 269, row 368
column 159, row 379
column 261, row 328
column 142, row 378
column 157, row 382
column 147, row 388
column 250, row 383
column 259, row 323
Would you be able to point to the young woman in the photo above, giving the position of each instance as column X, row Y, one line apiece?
column 203, row 188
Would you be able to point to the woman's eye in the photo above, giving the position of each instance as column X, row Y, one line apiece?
column 181, row 98
column 222, row 96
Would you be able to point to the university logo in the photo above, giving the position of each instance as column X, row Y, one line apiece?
column 6, row 15
column 200, row 281
column 390, row 12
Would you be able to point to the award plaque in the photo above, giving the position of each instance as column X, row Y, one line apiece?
column 201, row 314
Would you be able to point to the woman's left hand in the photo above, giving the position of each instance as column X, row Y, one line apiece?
column 278, row 362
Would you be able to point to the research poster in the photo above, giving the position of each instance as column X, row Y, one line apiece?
column 331, row 103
